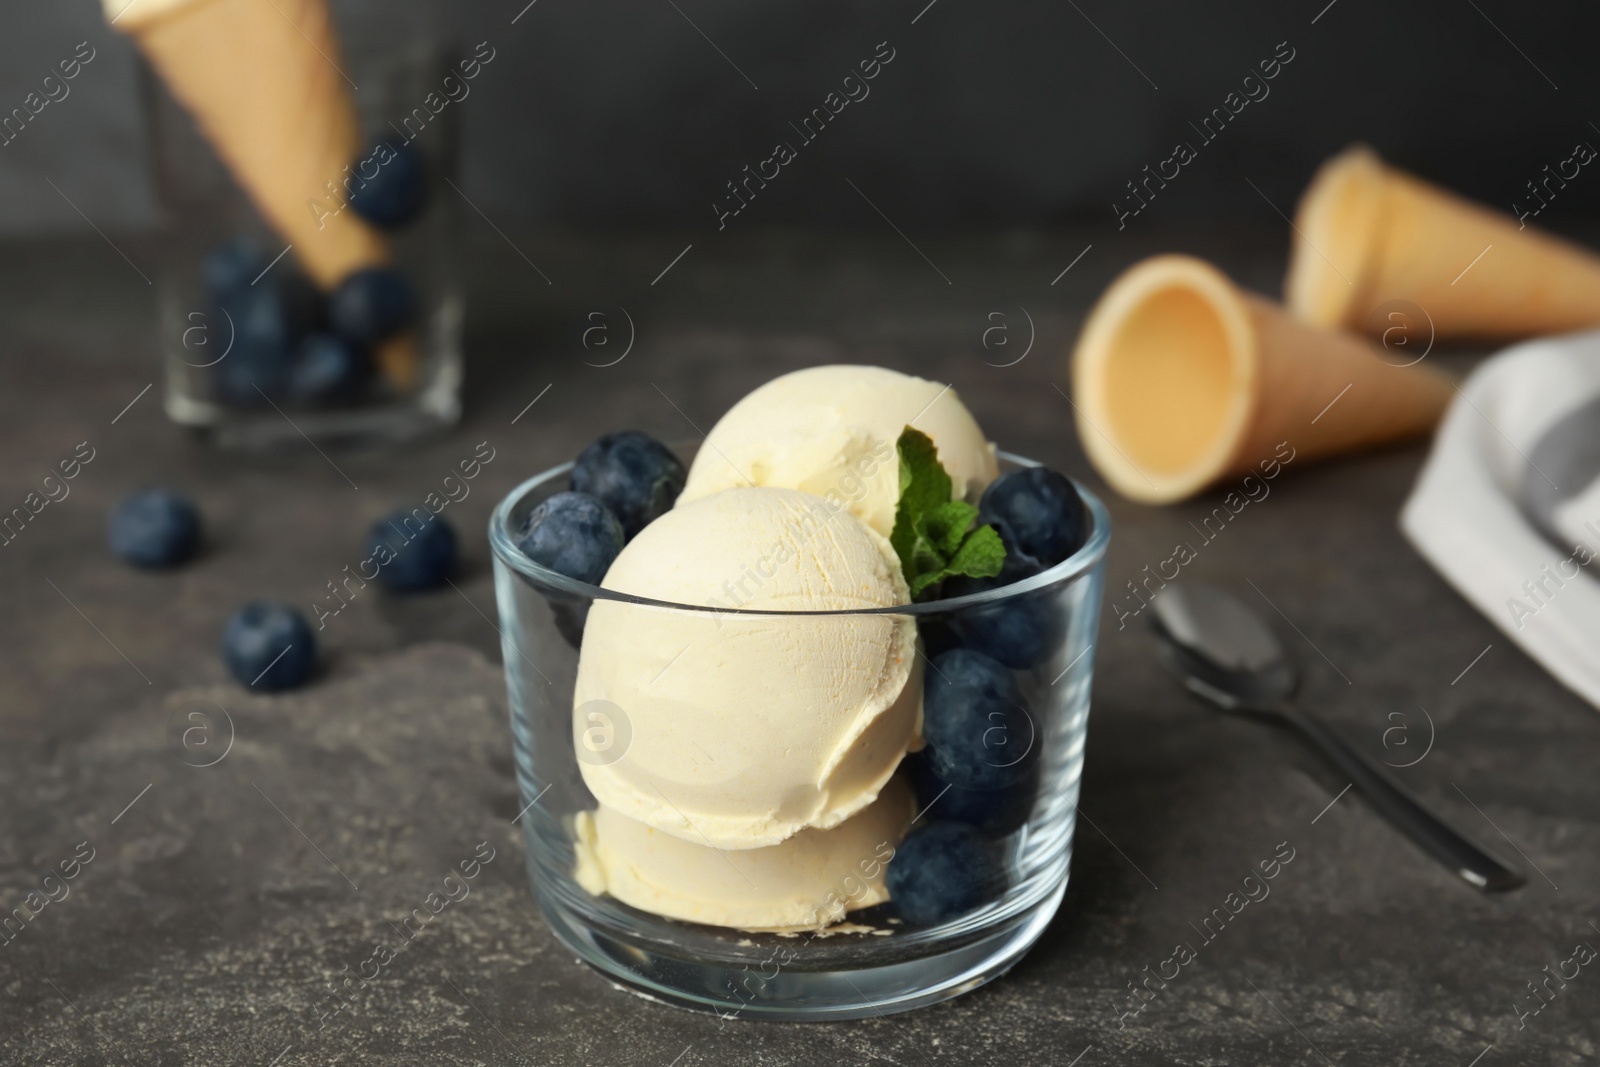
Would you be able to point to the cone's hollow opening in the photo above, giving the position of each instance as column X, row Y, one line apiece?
column 1168, row 381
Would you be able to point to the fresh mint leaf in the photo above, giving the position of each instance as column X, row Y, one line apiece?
column 924, row 485
column 981, row 555
column 946, row 525
column 934, row 535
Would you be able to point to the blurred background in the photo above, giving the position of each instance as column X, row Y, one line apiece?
column 600, row 116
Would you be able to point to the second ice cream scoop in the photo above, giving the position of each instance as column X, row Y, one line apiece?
column 831, row 431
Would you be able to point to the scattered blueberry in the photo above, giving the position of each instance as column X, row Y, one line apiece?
column 232, row 266
column 631, row 473
column 269, row 646
column 423, row 553
column 397, row 193
column 372, row 304
column 975, row 721
column 154, row 528
column 572, row 534
column 328, row 370
column 996, row 812
column 1038, row 515
column 943, row 870
column 1019, row 631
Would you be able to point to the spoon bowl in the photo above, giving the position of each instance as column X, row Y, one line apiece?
column 1222, row 650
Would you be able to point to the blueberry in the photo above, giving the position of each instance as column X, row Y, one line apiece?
column 413, row 549
column 371, row 305
column 328, row 370
column 250, row 376
column 268, row 319
column 154, row 528
column 269, row 646
column 261, row 319
column 975, row 722
column 570, row 615
column 943, row 870
column 1018, row 631
column 301, row 301
column 1038, row 515
column 937, row 637
column 631, row 473
column 572, row 534
column 279, row 309
column 397, row 193
column 996, row 812
column 232, row 266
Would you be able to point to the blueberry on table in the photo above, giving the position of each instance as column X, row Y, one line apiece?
column 412, row 554
column 996, row 812
column 943, row 870
column 631, row 473
column 154, row 528
column 232, row 266
column 268, row 645
column 372, row 304
column 572, row 534
column 976, row 723
column 397, row 193
column 328, row 370
column 1038, row 514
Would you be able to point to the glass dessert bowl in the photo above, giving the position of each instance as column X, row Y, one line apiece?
column 754, row 810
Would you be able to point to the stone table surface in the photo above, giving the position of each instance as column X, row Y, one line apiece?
column 220, row 900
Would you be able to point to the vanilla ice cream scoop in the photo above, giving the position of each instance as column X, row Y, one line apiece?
column 745, row 729
column 806, row 882
column 831, row 432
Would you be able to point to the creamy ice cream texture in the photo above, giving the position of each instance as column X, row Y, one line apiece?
column 806, row 882
column 831, row 432
column 748, row 729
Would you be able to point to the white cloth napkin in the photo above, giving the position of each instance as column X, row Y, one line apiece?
column 1521, row 439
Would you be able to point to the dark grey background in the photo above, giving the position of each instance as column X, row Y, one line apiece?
column 606, row 115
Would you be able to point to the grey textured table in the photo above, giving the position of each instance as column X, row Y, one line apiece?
column 222, row 901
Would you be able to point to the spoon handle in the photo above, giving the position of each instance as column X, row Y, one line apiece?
column 1397, row 803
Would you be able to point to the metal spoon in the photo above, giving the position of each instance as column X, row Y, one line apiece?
column 1226, row 654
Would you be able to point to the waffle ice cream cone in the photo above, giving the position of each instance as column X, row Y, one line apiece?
column 1181, row 379
column 260, row 78
column 1368, row 234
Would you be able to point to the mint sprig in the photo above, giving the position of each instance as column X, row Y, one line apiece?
column 934, row 535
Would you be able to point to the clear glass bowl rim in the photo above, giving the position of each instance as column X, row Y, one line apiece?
column 1080, row 562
